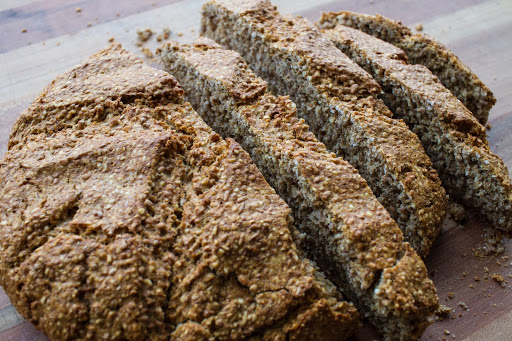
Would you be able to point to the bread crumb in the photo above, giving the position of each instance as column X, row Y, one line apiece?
column 180, row 34
column 493, row 244
column 144, row 35
column 488, row 126
column 166, row 33
column 500, row 279
column 111, row 39
column 147, row 52
column 24, row 30
column 450, row 295
column 89, row 24
column 457, row 212
column 463, row 305
column 78, row 10
column 477, row 279
column 118, row 14
column 443, row 310
column 419, row 27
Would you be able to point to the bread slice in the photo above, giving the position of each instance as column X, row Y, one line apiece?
column 424, row 50
column 452, row 137
column 346, row 229
column 124, row 216
column 338, row 100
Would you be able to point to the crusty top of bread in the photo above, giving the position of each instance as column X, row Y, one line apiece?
column 241, row 82
column 329, row 67
column 108, row 77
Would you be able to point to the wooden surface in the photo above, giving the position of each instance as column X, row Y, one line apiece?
column 58, row 37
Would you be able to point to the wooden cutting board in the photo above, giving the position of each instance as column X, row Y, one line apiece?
column 40, row 39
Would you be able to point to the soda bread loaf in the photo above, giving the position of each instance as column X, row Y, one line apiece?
column 424, row 50
column 345, row 228
column 125, row 217
column 338, row 100
column 452, row 137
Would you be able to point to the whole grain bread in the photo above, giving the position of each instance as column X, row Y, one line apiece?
column 339, row 101
column 123, row 216
column 344, row 227
column 452, row 137
column 424, row 50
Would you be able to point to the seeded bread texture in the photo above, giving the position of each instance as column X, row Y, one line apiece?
column 452, row 137
column 338, row 100
column 344, row 225
column 123, row 216
column 424, row 50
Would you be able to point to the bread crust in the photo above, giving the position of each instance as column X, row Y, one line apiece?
column 344, row 227
column 452, row 137
column 423, row 49
column 124, row 216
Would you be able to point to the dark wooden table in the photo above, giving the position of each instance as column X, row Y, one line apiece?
column 40, row 39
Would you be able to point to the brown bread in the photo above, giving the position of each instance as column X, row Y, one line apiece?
column 345, row 228
column 125, row 217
